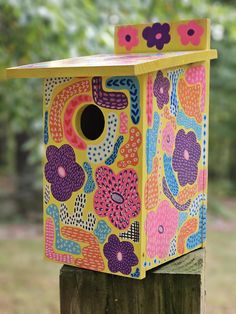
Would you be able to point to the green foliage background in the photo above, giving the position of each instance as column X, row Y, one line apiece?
column 32, row 31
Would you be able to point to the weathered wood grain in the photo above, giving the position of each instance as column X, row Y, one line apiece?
column 176, row 287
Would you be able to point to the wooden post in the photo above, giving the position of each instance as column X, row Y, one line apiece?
column 177, row 287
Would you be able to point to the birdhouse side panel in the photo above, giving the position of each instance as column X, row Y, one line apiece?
column 175, row 191
column 93, row 136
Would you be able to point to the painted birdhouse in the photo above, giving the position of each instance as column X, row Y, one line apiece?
column 125, row 158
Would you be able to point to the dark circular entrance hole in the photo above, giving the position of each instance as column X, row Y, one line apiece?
column 92, row 122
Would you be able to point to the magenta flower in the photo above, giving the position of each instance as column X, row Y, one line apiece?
column 161, row 89
column 117, row 197
column 186, row 156
column 190, row 33
column 62, row 171
column 128, row 37
column 161, row 227
column 157, row 35
column 120, row 255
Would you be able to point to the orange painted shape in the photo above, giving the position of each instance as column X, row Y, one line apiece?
column 130, row 150
column 187, row 229
column 92, row 258
column 187, row 193
column 168, row 116
column 49, row 245
column 151, row 187
column 58, row 104
column 190, row 98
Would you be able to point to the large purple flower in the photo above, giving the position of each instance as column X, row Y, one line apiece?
column 157, row 35
column 186, row 156
column 161, row 89
column 120, row 255
column 62, row 171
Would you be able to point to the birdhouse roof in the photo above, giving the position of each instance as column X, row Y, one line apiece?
column 139, row 49
column 110, row 64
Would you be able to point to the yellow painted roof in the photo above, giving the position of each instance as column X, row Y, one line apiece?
column 110, row 64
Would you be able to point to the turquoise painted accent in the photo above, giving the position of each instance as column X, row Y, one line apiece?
column 90, row 184
column 102, row 230
column 189, row 123
column 61, row 244
column 196, row 204
column 200, row 236
column 174, row 77
column 151, row 142
column 110, row 160
column 46, row 128
column 182, row 218
column 170, row 176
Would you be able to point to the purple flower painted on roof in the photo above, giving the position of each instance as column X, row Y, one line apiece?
column 120, row 255
column 186, row 156
column 62, row 171
column 161, row 89
column 157, row 35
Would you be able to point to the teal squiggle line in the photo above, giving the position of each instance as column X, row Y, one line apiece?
column 46, row 136
column 61, row 244
column 200, row 236
column 110, row 160
column 151, row 142
column 174, row 102
column 189, row 123
column 90, row 184
column 170, row 176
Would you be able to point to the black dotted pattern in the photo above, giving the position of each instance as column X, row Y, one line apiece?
column 76, row 219
column 50, row 83
column 47, row 193
column 132, row 233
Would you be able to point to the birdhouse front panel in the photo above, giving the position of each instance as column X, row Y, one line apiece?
column 93, row 169
column 125, row 159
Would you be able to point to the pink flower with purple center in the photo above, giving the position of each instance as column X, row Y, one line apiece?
column 128, row 37
column 62, row 171
column 186, row 156
column 161, row 89
column 190, row 33
column 120, row 255
column 161, row 227
column 117, row 197
column 157, row 35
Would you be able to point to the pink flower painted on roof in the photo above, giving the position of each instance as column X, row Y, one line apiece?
column 161, row 227
column 168, row 138
column 117, row 196
column 190, row 33
column 128, row 37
